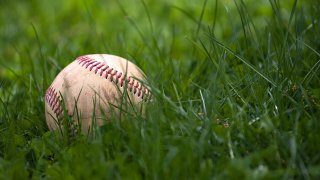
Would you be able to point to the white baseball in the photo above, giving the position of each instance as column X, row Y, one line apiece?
column 92, row 86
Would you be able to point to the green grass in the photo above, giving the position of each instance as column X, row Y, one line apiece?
column 236, row 89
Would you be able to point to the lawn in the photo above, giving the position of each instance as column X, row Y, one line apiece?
column 235, row 87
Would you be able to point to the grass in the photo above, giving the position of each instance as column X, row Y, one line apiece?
column 235, row 86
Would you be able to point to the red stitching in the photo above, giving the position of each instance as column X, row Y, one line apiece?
column 89, row 63
column 134, row 86
column 109, row 72
column 122, row 81
column 99, row 68
column 84, row 59
column 103, row 69
column 53, row 99
column 113, row 74
column 119, row 75
column 94, row 65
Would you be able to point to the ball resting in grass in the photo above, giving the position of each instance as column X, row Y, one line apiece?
column 93, row 89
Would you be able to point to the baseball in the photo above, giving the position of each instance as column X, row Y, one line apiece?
column 91, row 88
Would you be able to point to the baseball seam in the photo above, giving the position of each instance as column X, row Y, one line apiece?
column 53, row 99
column 114, row 75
